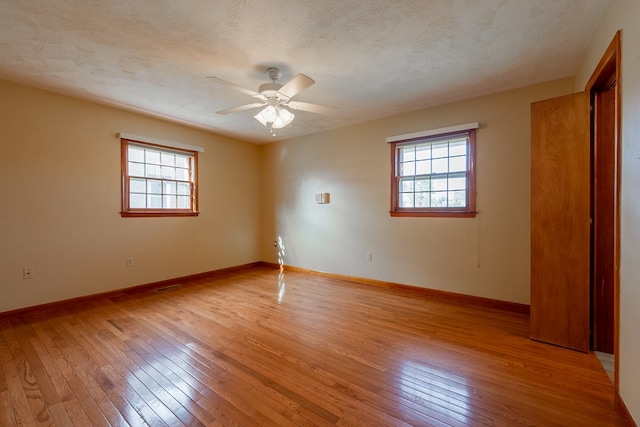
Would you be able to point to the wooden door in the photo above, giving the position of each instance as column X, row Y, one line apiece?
column 560, row 221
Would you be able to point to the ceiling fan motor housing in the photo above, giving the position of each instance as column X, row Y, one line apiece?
column 273, row 73
column 270, row 90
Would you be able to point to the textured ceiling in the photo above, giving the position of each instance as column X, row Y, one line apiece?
column 370, row 59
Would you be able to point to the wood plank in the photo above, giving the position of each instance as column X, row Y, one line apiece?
column 25, row 336
column 303, row 404
column 86, row 381
column 234, row 350
column 6, row 411
column 30, row 386
column 15, row 391
column 87, row 403
column 77, row 413
column 261, row 408
column 59, row 415
column 141, row 408
column 55, row 376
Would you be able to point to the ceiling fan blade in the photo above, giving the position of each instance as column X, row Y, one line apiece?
column 313, row 108
column 296, row 85
column 241, row 108
column 236, row 87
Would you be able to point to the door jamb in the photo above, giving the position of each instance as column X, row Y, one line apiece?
column 611, row 59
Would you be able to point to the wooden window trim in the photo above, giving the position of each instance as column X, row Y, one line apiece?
column 127, row 212
column 468, row 212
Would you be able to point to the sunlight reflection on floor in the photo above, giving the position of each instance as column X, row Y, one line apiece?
column 436, row 389
column 281, row 284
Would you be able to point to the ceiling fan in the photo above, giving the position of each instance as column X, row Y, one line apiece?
column 275, row 97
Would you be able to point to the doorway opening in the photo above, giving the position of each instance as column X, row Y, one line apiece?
column 604, row 90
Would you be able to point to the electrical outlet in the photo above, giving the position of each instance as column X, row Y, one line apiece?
column 129, row 261
column 368, row 256
column 27, row 273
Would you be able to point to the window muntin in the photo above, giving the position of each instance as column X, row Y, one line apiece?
column 158, row 180
column 434, row 176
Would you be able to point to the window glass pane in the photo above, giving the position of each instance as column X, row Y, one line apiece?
column 170, row 187
column 135, row 154
column 158, row 178
column 457, row 199
column 457, row 183
column 434, row 172
column 457, row 164
column 406, row 185
column 168, row 159
column 168, row 172
column 154, row 201
column 423, row 184
column 407, row 154
column 439, row 184
column 439, row 199
column 137, row 185
column 423, row 167
column 458, row 147
column 406, row 201
column 154, row 187
column 440, row 149
column 137, row 201
column 152, row 171
column 182, row 161
column 183, row 202
column 136, row 169
column 423, row 152
column 423, row 200
column 184, row 188
column 440, row 166
column 182, row 174
column 407, row 169
column 169, row 202
column 153, row 156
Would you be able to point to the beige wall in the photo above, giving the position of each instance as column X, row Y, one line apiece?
column 60, row 174
column 485, row 256
column 61, row 196
column 623, row 15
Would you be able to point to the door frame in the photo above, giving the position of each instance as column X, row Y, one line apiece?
column 610, row 61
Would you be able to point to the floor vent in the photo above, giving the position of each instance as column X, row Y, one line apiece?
column 167, row 288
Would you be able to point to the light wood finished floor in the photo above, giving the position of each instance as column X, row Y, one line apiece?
column 255, row 348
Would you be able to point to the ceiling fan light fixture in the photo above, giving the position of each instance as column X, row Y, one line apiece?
column 284, row 118
column 259, row 117
column 268, row 115
column 277, row 116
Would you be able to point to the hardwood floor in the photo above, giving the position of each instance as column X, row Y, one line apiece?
column 260, row 348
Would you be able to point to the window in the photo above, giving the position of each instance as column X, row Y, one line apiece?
column 158, row 180
column 434, row 175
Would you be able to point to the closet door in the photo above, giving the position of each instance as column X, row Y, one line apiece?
column 560, row 221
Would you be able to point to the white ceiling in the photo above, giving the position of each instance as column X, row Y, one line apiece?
column 370, row 58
